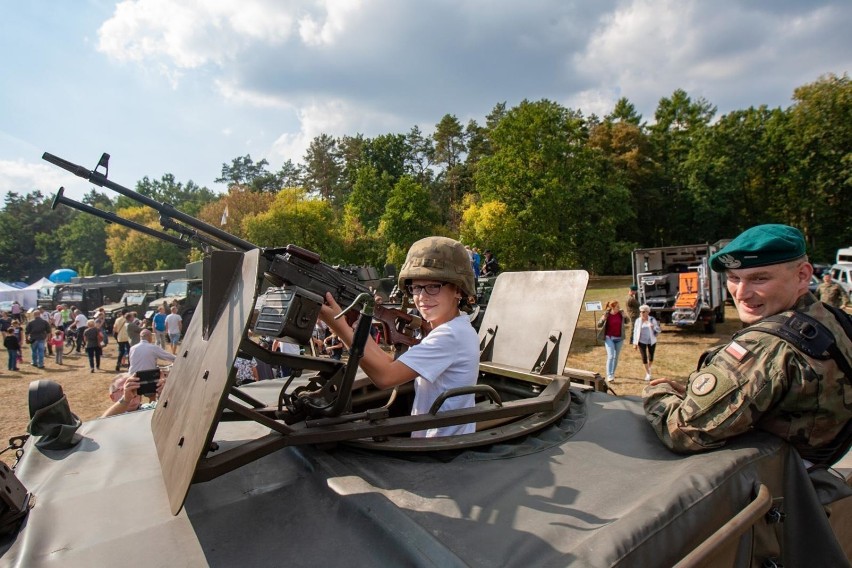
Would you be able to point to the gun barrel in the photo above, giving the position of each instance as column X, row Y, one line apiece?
column 113, row 218
column 164, row 209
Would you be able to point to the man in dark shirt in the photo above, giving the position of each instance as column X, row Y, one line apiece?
column 37, row 331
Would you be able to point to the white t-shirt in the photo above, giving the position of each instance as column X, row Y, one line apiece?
column 173, row 323
column 81, row 320
column 447, row 358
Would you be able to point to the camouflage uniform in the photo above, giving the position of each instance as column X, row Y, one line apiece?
column 758, row 381
column 832, row 293
column 632, row 307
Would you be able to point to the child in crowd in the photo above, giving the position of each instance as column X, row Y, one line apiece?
column 58, row 343
column 438, row 275
column 19, row 334
column 13, row 346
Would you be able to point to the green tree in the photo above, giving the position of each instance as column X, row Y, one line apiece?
column 409, row 216
column 680, row 122
column 369, row 195
column 24, row 255
column 323, row 169
column 821, row 140
column 565, row 198
column 296, row 218
column 189, row 198
column 132, row 251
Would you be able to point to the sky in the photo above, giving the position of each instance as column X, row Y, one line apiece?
column 185, row 86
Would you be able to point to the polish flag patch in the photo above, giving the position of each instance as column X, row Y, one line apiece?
column 736, row 351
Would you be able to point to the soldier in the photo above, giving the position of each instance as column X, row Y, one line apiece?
column 437, row 273
column 770, row 377
column 830, row 292
column 631, row 306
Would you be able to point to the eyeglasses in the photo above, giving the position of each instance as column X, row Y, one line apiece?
column 431, row 289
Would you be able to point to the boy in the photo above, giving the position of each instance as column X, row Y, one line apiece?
column 438, row 275
column 13, row 346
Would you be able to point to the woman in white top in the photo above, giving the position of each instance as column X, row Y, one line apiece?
column 645, row 331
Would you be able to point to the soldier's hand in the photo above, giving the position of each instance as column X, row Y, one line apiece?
column 679, row 387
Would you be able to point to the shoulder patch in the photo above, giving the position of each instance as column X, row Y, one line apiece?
column 706, row 388
column 703, row 384
column 736, row 351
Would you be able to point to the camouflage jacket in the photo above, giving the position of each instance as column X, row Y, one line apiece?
column 758, row 381
column 632, row 307
column 831, row 293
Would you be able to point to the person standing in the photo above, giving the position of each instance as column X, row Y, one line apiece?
column 631, row 306
column 645, row 331
column 787, row 373
column 831, row 292
column 16, row 310
column 174, row 326
column 93, row 338
column 133, row 328
column 80, row 322
column 612, row 324
column 13, row 347
column 119, row 331
column 58, row 342
column 37, row 331
column 159, row 323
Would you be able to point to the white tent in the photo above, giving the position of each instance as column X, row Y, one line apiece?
column 27, row 297
column 41, row 283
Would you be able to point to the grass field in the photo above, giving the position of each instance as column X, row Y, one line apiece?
column 677, row 353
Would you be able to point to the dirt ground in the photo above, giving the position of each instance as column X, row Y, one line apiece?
column 87, row 392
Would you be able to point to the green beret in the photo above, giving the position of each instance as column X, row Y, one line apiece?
column 762, row 245
column 634, row 287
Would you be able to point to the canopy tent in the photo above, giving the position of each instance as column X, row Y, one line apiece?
column 27, row 297
column 40, row 283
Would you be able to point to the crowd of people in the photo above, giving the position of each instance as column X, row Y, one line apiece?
column 66, row 330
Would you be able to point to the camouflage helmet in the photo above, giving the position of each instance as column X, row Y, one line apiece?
column 439, row 258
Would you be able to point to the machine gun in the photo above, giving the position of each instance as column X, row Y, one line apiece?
column 297, row 282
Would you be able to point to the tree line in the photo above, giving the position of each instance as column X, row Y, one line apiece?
column 541, row 185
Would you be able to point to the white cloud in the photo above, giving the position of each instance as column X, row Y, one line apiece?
column 190, row 34
column 23, row 177
column 326, row 28
column 336, row 117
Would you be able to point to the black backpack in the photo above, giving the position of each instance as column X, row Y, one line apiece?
column 815, row 340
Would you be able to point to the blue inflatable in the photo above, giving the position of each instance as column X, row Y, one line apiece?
column 62, row 275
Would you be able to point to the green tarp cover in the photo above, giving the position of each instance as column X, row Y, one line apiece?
column 596, row 490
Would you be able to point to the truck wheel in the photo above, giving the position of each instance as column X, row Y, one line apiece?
column 710, row 325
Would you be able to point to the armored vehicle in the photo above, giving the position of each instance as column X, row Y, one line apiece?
column 677, row 284
column 132, row 300
column 185, row 293
column 320, row 469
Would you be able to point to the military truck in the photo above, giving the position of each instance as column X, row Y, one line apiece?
column 132, row 300
column 320, row 468
column 86, row 297
column 677, row 284
column 184, row 292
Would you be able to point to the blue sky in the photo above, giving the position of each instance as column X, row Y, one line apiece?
column 182, row 87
